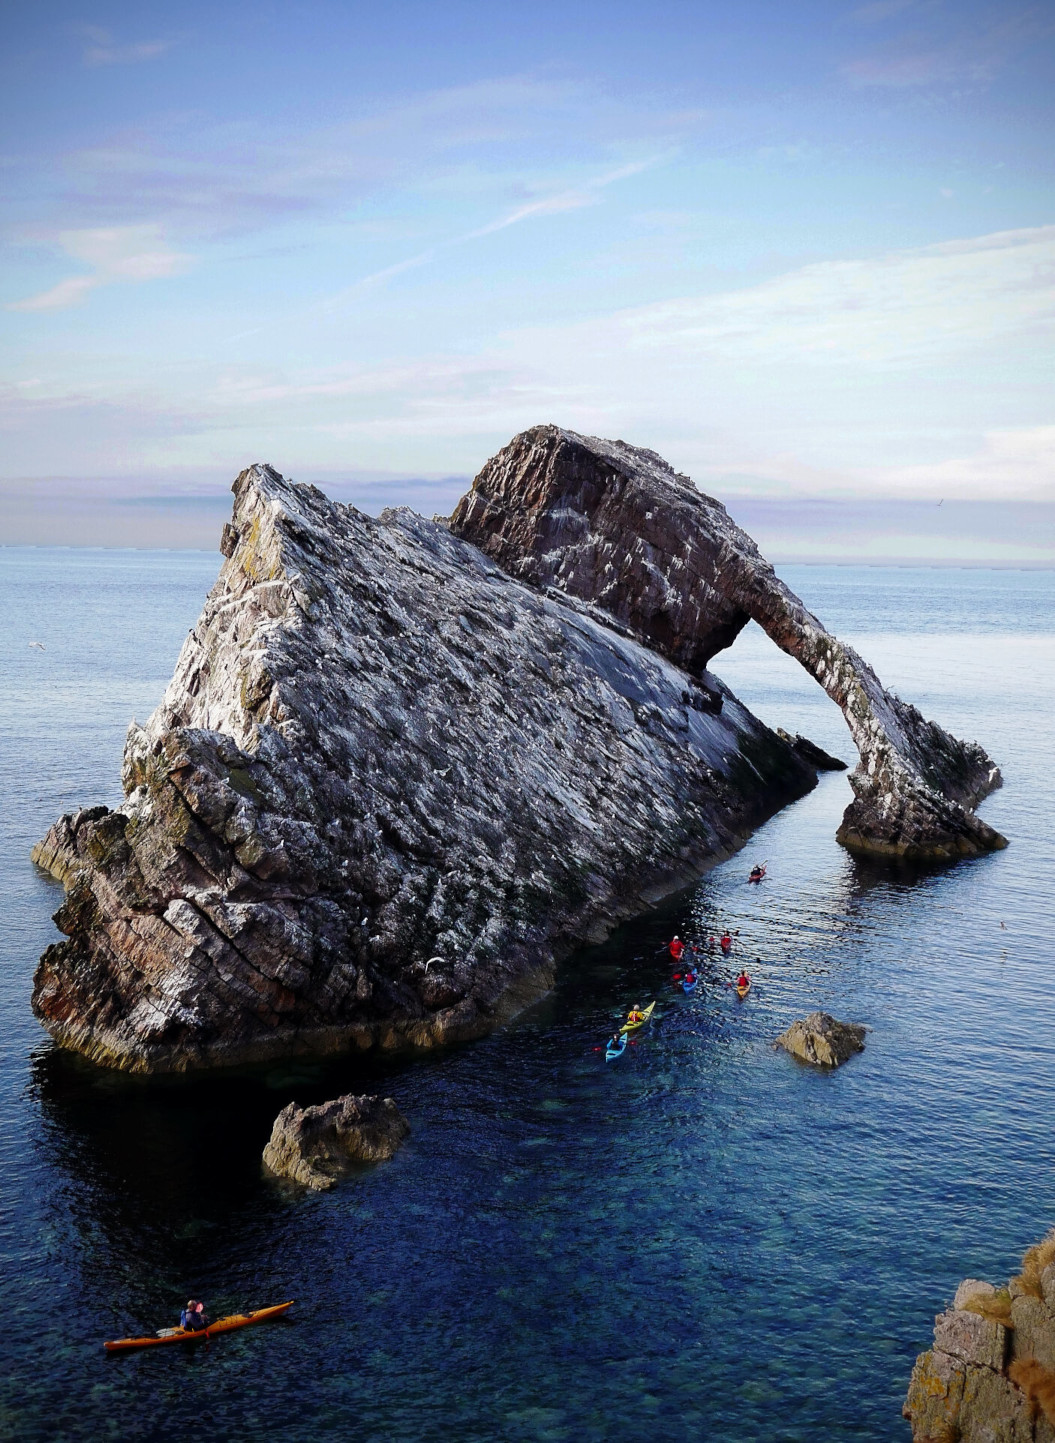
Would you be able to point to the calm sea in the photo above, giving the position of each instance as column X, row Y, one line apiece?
column 703, row 1240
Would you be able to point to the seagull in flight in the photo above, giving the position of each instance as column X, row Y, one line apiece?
column 39, row 645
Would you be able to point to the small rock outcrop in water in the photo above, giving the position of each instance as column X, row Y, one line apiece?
column 617, row 527
column 822, row 1040
column 812, row 753
column 314, row 1145
column 990, row 1376
column 387, row 787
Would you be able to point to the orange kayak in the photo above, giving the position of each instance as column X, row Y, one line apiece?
column 743, row 991
column 188, row 1335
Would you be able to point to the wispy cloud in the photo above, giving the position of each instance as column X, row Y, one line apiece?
column 464, row 143
column 588, row 194
column 102, row 49
column 1019, row 463
column 116, row 254
column 935, row 56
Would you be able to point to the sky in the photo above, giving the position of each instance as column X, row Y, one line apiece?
column 804, row 250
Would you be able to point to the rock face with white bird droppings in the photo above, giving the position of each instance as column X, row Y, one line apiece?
column 388, row 787
column 617, row 527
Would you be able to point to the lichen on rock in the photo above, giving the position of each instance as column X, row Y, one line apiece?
column 822, row 1040
column 990, row 1376
column 313, row 1146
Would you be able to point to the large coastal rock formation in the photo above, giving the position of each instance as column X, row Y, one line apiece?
column 314, row 1145
column 616, row 526
column 387, row 787
column 990, row 1377
column 822, row 1040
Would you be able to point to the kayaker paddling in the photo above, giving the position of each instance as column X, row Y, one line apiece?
column 726, row 942
column 637, row 1017
column 677, row 949
column 207, row 1330
column 192, row 1319
column 758, row 871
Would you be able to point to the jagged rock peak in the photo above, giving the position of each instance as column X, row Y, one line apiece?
column 387, row 787
column 616, row 526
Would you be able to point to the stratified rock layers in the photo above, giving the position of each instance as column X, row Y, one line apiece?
column 616, row 526
column 387, row 787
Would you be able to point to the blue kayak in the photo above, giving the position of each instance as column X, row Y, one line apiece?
column 611, row 1051
column 687, row 986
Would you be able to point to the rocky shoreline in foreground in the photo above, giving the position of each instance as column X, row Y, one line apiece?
column 990, row 1376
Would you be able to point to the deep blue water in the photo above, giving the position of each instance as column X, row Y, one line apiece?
column 702, row 1240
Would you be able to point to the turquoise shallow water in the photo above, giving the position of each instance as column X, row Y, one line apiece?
column 703, row 1240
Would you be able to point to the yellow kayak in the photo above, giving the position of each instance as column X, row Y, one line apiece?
column 633, row 1026
column 188, row 1335
column 743, row 991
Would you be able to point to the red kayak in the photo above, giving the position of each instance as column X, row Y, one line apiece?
column 196, row 1335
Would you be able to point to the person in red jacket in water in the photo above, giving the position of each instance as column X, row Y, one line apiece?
column 726, row 942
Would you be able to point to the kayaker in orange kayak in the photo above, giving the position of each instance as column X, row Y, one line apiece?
column 193, row 1317
column 743, row 980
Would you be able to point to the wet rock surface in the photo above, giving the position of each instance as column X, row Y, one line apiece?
column 314, row 1145
column 822, row 1040
column 615, row 526
column 990, row 1376
column 387, row 788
